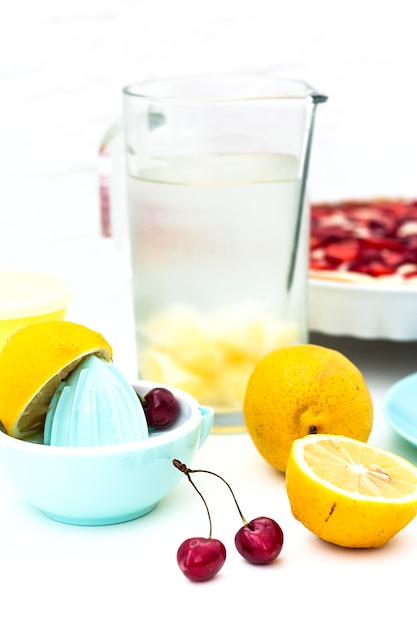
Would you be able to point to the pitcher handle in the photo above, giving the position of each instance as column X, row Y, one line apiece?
column 105, row 156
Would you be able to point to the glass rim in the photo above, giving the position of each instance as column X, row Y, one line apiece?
column 223, row 88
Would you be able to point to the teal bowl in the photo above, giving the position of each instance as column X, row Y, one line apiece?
column 99, row 485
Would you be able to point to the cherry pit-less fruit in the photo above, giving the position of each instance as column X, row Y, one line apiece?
column 259, row 541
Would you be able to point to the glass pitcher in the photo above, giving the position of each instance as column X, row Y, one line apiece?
column 216, row 228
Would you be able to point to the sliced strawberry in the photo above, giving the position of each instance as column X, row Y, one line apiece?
column 374, row 237
column 393, row 258
column 343, row 251
column 373, row 269
column 322, row 264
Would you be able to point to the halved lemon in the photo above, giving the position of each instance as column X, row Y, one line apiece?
column 348, row 492
column 33, row 362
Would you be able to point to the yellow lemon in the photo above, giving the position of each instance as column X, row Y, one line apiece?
column 304, row 389
column 348, row 492
column 33, row 362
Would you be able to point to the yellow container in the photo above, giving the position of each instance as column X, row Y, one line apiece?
column 28, row 298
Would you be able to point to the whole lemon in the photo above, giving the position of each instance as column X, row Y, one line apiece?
column 300, row 390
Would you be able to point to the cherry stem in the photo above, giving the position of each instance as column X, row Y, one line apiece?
column 144, row 402
column 187, row 471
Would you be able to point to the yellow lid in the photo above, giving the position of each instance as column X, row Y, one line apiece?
column 25, row 294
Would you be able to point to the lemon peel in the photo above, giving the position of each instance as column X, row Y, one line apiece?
column 304, row 389
column 33, row 362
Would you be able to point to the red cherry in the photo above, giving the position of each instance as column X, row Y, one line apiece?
column 201, row 558
column 260, row 541
column 161, row 408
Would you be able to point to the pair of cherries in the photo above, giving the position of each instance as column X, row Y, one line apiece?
column 201, row 558
column 259, row 541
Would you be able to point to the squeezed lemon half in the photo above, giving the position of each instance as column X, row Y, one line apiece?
column 33, row 362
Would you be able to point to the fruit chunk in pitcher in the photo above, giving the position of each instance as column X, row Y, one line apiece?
column 213, row 241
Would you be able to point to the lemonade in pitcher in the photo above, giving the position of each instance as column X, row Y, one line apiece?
column 212, row 241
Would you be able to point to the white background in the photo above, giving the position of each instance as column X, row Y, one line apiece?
column 63, row 65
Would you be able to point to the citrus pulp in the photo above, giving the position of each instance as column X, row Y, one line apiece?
column 348, row 492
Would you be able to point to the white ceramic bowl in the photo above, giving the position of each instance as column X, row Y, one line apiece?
column 106, row 484
column 367, row 311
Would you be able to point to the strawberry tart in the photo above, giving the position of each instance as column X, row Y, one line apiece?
column 365, row 240
column 363, row 269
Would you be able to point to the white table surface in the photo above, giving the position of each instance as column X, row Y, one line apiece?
column 127, row 573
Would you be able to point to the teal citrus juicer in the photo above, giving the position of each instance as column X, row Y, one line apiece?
column 95, row 406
